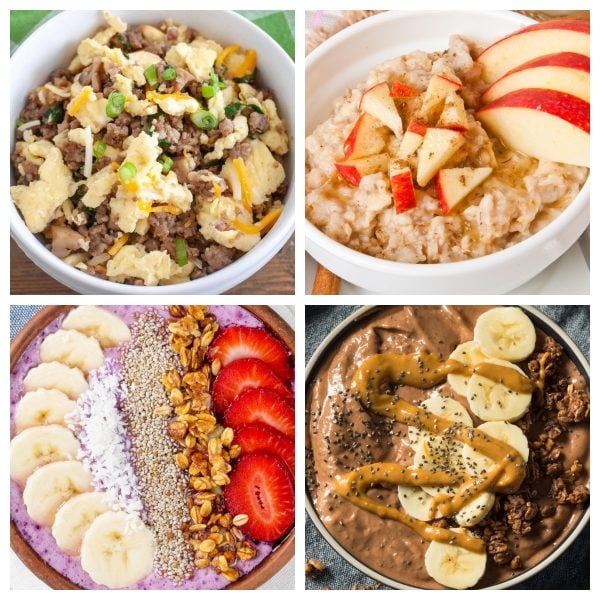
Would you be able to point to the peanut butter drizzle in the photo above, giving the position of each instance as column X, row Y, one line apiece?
column 423, row 371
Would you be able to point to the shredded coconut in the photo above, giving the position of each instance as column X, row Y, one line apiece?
column 105, row 447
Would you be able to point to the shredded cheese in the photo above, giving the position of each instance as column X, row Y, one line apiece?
column 118, row 244
column 261, row 225
column 247, row 67
column 156, row 96
column 240, row 169
column 78, row 103
column 224, row 54
column 89, row 152
column 29, row 125
column 216, row 190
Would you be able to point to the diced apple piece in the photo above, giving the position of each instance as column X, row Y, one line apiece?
column 402, row 90
column 378, row 102
column 355, row 169
column 564, row 71
column 440, row 85
column 454, row 115
column 453, row 185
column 545, row 124
column 412, row 139
column 403, row 190
column 366, row 138
column 560, row 35
column 437, row 148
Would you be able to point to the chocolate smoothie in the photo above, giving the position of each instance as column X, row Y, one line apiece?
column 342, row 435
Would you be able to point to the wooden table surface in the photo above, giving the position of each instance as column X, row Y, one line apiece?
column 276, row 277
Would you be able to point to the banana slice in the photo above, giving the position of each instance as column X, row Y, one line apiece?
column 442, row 406
column 56, row 376
column 73, row 349
column 476, row 463
column 38, row 446
column 42, row 407
column 51, row 485
column 117, row 550
column 506, row 333
column 453, row 566
column 96, row 322
column 417, row 503
column 469, row 354
column 492, row 401
column 475, row 510
column 74, row 518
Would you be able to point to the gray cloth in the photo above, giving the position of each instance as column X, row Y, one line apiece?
column 19, row 315
column 570, row 571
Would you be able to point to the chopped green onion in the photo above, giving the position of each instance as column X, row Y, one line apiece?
column 115, row 105
column 208, row 91
column 55, row 115
column 246, row 78
column 20, row 122
column 212, row 163
column 164, row 144
column 169, row 74
column 167, row 163
column 127, row 171
column 204, row 119
column 256, row 108
column 151, row 76
column 99, row 149
column 181, row 256
column 125, row 45
column 79, row 194
column 232, row 109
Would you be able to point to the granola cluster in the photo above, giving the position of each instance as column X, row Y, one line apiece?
column 206, row 449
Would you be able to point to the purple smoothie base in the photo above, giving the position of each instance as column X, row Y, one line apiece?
column 41, row 539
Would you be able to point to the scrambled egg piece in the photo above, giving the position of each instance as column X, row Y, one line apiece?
column 34, row 151
column 275, row 137
column 39, row 201
column 153, row 267
column 240, row 132
column 115, row 25
column 198, row 59
column 133, row 105
column 176, row 104
column 75, row 135
column 89, row 108
column 248, row 95
column 264, row 173
column 215, row 217
column 99, row 186
column 144, row 58
column 200, row 42
column 89, row 48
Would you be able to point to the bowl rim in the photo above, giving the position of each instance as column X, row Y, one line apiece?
column 542, row 321
column 433, row 270
column 220, row 281
column 281, row 554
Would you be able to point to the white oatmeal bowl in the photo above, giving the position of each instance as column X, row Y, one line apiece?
column 357, row 256
column 59, row 37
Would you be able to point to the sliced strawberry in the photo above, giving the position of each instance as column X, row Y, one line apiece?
column 254, row 438
column 243, row 374
column 237, row 342
column 260, row 406
column 262, row 488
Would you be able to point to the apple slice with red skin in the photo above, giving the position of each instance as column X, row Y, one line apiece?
column 453, row 185
column 402, row 90
column 545, row 124
column 366, row 138
column 437, row 148
column 354, row 170
column 560, row 35
column 440, row 85
column 403, row 190
column 567, row 72
column 454, row 115
column 378, row 102
column 413, row 138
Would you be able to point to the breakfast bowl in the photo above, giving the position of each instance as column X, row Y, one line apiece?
column 359, row 448
column 60, row 37
column 152, row 491
column 389, row 257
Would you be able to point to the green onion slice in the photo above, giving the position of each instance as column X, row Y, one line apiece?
column 115, row 105
column 208, row 91
column 204, row 119
column 181, row 256
column 99, row 149
column 167, row 163
column 151, row 76
column 55, row 115
column 20, row 122
column 169, row 74
column 232, row 109
column 127, row 171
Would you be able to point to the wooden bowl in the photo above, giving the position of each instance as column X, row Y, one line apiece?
column 271, row 565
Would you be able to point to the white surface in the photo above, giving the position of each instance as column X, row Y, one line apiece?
column 363, row 46
column 21, row 578
column 59, row 37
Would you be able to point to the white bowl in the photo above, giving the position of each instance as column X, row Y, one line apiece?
column 341, row 63
column 54, row 44
column 333, row 339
